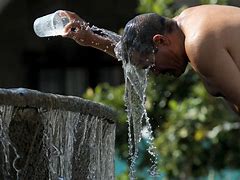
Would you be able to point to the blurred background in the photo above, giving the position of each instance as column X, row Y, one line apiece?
column 196, row 135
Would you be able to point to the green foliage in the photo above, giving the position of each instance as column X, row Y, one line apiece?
column 106, row 94
column 163, row 7
column 194, row 132
column 169, row 8
column 188, row 140
column 214, row 1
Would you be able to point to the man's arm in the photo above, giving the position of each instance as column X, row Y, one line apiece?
column 83, row 34
column 214, row 63
column 220, row 70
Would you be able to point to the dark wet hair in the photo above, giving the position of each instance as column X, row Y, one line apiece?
column 139, row 31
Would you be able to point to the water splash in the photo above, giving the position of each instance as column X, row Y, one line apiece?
column 134, row 89
column 113, row 37
column 135, row 98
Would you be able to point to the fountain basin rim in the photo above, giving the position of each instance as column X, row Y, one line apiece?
column 23, row 97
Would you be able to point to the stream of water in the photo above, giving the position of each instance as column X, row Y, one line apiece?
column 135, row 97
column 59, row 137
column 6, row 112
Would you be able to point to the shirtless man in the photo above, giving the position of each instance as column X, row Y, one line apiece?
column 207, row 37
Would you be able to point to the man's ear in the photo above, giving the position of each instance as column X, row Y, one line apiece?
column 159, row 39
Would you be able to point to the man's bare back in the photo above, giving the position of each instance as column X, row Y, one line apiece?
column 213, row 47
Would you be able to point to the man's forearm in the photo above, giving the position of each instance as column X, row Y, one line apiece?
column 80, row 31
column 105, row 41
column 101, row 39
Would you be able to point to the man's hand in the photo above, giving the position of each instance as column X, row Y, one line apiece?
column 77, row 29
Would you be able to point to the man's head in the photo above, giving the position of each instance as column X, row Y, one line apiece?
column 147, row 42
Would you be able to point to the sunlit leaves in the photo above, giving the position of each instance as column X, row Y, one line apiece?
column 214, row 1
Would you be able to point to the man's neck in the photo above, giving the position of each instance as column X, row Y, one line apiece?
column 179, row 41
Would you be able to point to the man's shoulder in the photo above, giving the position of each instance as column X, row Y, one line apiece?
column 201, row 50
column 199, row 43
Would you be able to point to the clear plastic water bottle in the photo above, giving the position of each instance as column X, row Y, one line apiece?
column 51, row 24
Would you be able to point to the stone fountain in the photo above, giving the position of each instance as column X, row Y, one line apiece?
column 47, row 136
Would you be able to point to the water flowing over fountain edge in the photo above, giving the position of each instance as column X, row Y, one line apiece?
column 99, row 118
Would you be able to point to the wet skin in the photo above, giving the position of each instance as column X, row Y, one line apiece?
column 155, row 64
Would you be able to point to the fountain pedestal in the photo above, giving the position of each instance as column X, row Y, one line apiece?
column 47, row 136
